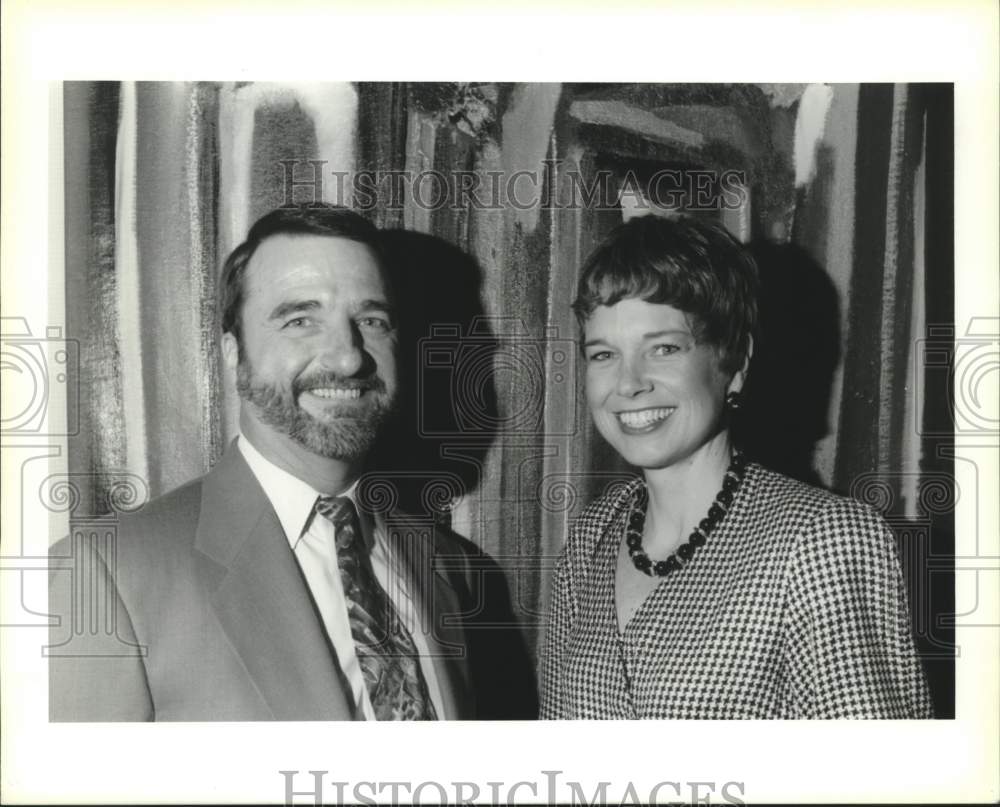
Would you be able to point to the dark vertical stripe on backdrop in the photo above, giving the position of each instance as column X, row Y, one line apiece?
column 283, row 130
column 939, row 252
column 937, row 427
column 381, row 150
column 90, row 134
column 898, row 279
column 203, row 148
column 857, row 440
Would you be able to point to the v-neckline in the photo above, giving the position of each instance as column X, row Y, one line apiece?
column 619, row 555
column 621, row 629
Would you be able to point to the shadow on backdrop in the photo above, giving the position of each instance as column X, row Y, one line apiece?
column 435, row 450
column 444, row 375
column 786, row 413
column 787, row 394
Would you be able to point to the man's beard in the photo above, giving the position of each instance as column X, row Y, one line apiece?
column 345, row 435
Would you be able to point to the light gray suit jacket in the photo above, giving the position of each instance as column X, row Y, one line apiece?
column 195, row 609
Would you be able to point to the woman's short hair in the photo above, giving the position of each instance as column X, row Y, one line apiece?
column 691, row 264
column 316, row 218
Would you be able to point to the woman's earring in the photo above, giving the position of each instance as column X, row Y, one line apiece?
column 734, row 400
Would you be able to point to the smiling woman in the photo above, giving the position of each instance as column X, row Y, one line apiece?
column 647, row 374
column 710, row 587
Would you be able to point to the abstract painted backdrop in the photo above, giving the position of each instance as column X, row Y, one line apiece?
column 495, row 194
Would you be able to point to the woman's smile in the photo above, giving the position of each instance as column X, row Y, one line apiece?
column 656, row 393
column 643, row 421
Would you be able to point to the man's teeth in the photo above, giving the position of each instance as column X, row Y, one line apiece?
column 336, row 392
column 636, row 420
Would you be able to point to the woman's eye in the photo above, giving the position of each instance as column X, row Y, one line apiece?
column 600, row 355
column 665, row 350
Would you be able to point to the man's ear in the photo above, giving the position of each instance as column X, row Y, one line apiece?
column 230, row 351
column 740, row 376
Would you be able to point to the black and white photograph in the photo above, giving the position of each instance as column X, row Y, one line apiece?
column 523, row 415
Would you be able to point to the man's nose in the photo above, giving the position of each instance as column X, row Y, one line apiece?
column 342, row 350
column 632, row 378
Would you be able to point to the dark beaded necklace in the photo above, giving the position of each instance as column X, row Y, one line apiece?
column 637, row 520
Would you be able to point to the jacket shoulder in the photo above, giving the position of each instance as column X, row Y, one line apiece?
column 812, row 514
column 182, row 502
column 162, row 528
column 589, row 526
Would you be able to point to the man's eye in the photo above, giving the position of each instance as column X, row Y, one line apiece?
column 298, row 322
column 375, row 323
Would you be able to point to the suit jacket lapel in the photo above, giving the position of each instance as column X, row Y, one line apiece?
column 262, row 600
column 413, row 542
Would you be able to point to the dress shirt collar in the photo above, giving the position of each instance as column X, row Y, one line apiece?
column 292, row 499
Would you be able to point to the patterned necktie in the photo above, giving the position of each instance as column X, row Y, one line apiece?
column 385, row 649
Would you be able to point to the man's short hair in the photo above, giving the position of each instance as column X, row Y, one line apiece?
column 315, row 218
column 691, row 264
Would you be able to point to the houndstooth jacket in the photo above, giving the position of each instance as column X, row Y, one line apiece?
column 795, row 608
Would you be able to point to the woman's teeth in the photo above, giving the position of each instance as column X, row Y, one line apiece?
column 645, row 417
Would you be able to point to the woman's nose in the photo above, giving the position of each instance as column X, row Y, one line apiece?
column 632, row 378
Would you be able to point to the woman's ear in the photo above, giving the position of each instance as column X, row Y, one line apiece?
column 740, row 376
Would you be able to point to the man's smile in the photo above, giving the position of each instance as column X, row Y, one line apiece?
column 337, row 393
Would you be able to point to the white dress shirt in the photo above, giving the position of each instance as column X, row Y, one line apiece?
column 312, row 542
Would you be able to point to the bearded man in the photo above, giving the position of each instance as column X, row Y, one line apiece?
column 272, row 588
